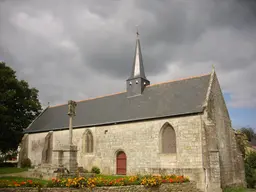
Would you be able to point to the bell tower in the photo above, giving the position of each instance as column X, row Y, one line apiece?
column 137, row 82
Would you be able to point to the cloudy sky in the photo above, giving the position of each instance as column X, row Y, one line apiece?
column 84, row 48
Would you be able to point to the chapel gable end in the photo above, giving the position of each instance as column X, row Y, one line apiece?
column 215, row 104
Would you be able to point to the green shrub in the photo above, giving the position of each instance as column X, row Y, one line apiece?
column 250, row 169
column 25, row 163
column 95, row 170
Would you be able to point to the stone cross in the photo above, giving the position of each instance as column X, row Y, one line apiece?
column 71, row 113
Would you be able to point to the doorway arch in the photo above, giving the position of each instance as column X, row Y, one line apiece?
column 121, row 163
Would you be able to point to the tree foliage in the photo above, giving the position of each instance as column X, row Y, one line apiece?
column 249, row 132
column 19, row 105
column 242, row 142
column 244, row 136
column 250, row 169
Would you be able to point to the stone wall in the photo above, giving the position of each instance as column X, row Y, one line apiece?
column 183, row 187
column 221, row 138
column 141, row 143
column 35, row 147
column 211, row 158
column 24, row 149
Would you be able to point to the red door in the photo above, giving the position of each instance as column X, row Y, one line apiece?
column 121, row 163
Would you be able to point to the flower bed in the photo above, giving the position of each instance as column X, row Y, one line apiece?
column 25, row 183
column 99, row 181
column 149, row 181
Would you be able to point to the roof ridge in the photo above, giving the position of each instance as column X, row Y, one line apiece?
column 181, row 79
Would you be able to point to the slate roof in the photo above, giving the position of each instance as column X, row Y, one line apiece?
column 168, row 99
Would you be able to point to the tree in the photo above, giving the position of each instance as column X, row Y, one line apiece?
column 249, row 132
column 19, row 105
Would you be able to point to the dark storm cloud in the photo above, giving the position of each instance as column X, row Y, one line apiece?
column 83, row 48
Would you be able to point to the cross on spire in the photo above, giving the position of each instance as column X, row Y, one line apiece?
column 137, row 32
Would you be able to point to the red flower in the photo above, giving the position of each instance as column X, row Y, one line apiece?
column 30, row 181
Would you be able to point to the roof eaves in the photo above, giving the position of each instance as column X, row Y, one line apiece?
column 119, row 122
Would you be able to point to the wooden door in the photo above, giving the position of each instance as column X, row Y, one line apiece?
column 121, row 163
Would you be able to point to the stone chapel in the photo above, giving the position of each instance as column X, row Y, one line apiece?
column 180, row 127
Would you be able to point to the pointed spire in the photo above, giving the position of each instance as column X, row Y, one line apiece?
column 138, row 68
column 137, row 82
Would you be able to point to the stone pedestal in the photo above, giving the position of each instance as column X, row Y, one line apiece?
column 66, row 156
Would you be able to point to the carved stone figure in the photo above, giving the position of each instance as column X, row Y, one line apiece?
column 71, row 108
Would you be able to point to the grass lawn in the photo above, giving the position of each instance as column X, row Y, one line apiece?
column 239, row 190
column 6, row 170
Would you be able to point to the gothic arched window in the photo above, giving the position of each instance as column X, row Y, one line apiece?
column 88, row 142
column 168, row 139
